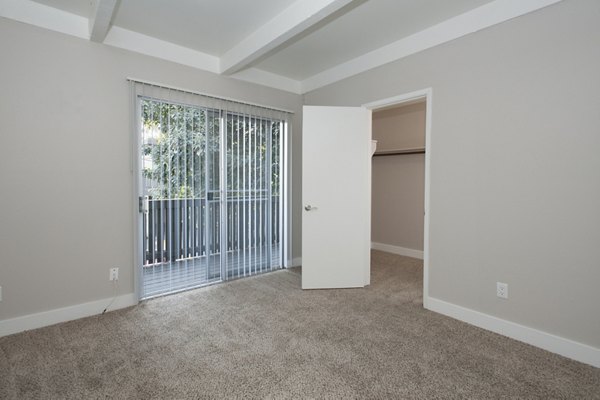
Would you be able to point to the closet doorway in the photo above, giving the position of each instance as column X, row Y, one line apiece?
column 401, row 126
column 398, row 182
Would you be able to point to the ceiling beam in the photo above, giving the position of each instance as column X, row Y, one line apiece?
column 100, row 20
column 293, row 21
column 482, row 17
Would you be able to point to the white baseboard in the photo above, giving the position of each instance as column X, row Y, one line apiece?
column 51, row 317
column 294, row 262
column 555, row 344
column 403, row 251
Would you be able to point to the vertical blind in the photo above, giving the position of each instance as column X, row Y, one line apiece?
column 211, row 184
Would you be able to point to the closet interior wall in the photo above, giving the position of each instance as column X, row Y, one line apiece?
column 398, row 182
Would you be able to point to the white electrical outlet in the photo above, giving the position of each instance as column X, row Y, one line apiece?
column 114, row 274
column 502, row 290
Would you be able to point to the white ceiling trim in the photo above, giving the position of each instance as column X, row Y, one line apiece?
column 479, row 18
column 99, row 22
column 482, row 17
column 44, row 16
column 151, row 46
column 294, row 20
column 270, row 79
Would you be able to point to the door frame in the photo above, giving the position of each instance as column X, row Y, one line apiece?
column 426, row 94
column 134, row 168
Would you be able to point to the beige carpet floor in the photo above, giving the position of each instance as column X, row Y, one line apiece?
column 264, row 337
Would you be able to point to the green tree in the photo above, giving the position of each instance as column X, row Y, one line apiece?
column 181, row 151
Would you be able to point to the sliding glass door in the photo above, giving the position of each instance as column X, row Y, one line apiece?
column 210, row 202
column 252, row 204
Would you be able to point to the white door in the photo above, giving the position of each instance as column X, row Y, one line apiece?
column 336, row 197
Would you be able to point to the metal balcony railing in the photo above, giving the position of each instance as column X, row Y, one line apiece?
column 179, row 229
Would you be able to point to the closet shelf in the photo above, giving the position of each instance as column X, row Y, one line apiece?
column 416, row 150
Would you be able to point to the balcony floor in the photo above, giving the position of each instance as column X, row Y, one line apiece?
column 170, row 277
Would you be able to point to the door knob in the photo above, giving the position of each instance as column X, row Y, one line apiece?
column 309, row 207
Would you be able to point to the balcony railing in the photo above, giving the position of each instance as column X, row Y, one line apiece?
column 179, row 229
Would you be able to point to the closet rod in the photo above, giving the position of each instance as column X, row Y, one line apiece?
column 420, row 150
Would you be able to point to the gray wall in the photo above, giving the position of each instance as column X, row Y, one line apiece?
column 66, row 187
column 515, row 171
column 400, row 127
column 398, row 181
